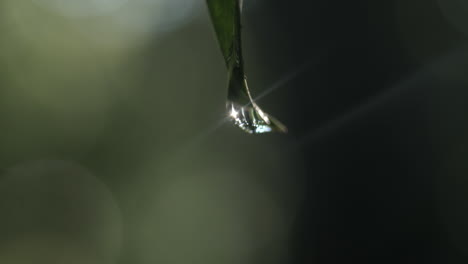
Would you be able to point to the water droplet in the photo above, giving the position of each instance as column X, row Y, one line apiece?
column 246, row 114
column 252, row 119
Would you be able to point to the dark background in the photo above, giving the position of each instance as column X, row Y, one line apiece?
column 381, row 123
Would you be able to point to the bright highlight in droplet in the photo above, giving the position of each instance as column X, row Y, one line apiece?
column 234, row 113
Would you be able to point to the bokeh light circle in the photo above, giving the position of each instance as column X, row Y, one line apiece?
column 50, row 207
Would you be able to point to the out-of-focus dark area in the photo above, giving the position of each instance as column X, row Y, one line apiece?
column 113, row 149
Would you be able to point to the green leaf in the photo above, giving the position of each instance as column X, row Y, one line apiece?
column 225, row 15
column 242, row 109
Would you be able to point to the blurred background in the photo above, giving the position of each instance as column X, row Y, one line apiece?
column 113, row 147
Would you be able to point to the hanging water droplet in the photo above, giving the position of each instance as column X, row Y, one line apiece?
column 245, row 113
column 252, row 119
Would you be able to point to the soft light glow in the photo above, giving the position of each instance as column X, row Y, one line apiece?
column 123, row 16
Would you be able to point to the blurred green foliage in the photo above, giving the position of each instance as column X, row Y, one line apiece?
column 127, row 108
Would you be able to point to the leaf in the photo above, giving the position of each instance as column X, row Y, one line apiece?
column 226, row 22
column 242, row 109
